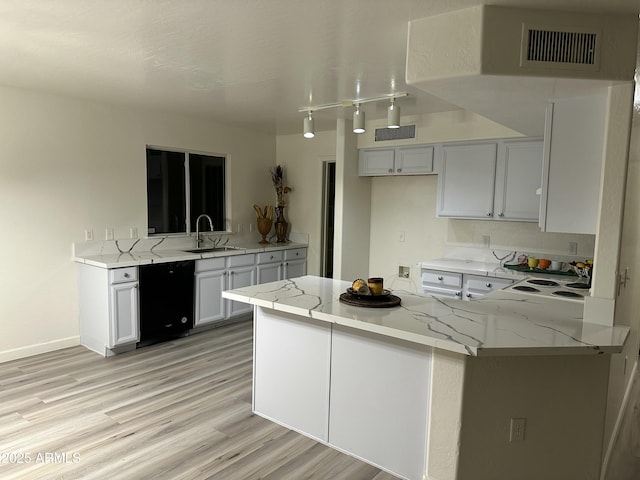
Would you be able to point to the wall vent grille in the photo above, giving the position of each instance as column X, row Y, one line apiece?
column 560, row 48
column 406, row 131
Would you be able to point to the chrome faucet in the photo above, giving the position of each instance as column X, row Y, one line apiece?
column 198, row 236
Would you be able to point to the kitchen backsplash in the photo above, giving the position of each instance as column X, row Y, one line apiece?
column 171, row 242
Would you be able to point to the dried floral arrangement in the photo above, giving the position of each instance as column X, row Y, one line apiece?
column 276, row 177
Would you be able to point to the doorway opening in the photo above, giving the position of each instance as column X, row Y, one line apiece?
column 328, row 217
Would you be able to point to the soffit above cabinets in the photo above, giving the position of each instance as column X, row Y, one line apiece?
column 477, row 58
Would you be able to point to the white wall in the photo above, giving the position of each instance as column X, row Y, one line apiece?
column 68, row 165
column 302, row 160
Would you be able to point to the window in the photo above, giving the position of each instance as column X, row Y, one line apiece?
column 181, row 186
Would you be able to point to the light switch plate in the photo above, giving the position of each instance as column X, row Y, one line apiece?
column 108, row 233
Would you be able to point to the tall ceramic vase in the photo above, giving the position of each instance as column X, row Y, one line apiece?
column 281, row 225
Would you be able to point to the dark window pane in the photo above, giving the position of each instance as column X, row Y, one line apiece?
column 166, row 209
column 207, row 189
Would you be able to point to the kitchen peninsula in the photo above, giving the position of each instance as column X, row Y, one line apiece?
column 417, row 389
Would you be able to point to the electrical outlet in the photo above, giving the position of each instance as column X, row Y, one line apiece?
column 573, row 248
column 401, row 236
column 486, row 240
column 133, row 232
column 88, row 235
column 517, row 430
column 403, row 271
column 108, row 233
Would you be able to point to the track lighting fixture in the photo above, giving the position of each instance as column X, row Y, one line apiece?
column 393, row 115
column 358, row 120
column 309, row 130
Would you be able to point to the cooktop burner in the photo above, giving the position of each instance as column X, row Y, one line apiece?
column 580, row 285
column 543, row 282
column 525, row 288
column 564, row 293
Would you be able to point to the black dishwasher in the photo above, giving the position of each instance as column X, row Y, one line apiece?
column 166, row 300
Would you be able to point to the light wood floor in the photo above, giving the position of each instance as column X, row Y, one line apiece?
column 177, row 410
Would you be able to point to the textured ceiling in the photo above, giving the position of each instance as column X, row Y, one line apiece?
column 246, row 62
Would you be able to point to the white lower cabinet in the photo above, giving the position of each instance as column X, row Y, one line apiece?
column 241, row 273
column 375, row 413
column 441, row 283
column 108, row 308
column 210, row 282
column 269, row 266
column 124, row 314
column 291, row 371
column 477, row 286
column 342, row 387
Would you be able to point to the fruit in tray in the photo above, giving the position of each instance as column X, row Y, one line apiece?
column 582, row 269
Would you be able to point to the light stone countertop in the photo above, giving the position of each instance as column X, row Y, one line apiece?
column 501, row 323
column 146, row 257
column 489, row 269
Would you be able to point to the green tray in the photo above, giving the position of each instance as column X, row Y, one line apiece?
column 526, row 269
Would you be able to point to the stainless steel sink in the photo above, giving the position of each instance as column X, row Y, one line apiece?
column 210, row 249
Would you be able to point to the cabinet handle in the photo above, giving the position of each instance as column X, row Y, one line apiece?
column 126, row 275
column 488, row 285
column 501, row 214
column 297, row 253
column 399, row 170
column 224, row 273
column 440, row 277
column 488, row 214
column 391, row 170
column 135, row 286
column 286, row 263
column 231, row 273
column 458, row 294
column 468, row 295
column 271, row 257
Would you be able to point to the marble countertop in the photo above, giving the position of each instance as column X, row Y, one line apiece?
column 472, row 267
column 501, row 323
column 146, row 257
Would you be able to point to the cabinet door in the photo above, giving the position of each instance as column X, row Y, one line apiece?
column 414, row 161
column 376, row 162
column 240, row 277
column 370, row 401
column 292, row 358
column 295, row 268
column 210, row 306
column 269, row 272
column 574, row 137
column 518, row 177
column 466, row 182
column 124, row 326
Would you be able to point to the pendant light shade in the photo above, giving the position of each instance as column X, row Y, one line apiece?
column 309, row 130
column 393, row 115
column 358, row 120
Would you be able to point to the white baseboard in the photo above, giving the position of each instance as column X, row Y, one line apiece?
column 618, row 424
column 29, row 350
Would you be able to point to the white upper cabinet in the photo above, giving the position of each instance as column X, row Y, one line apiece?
column 466, row 180
column 574, row 146
column 518, row 178
column 396, row 161
column 491, row 180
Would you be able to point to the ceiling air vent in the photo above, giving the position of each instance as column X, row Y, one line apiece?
column 407, row 131
column 567, row 48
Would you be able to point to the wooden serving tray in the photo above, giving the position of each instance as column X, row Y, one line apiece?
column 370, row 301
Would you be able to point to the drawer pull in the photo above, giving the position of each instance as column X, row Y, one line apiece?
column 126, row 275
column 458, row 294
column 391, row 170
column 488, row 214
column 440, row 277
column 468, row 295
column 488, row 285
column 399, row 170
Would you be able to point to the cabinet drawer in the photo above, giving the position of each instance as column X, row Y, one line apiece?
column 122, row 275
column 443, row 279
column 485, row 284
column 270, row 257
column 295, row 253
column 241, row 260
column 442, row 292
column 207, row 264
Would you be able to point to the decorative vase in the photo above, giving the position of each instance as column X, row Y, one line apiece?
column 264, row 227
column 281, row 225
